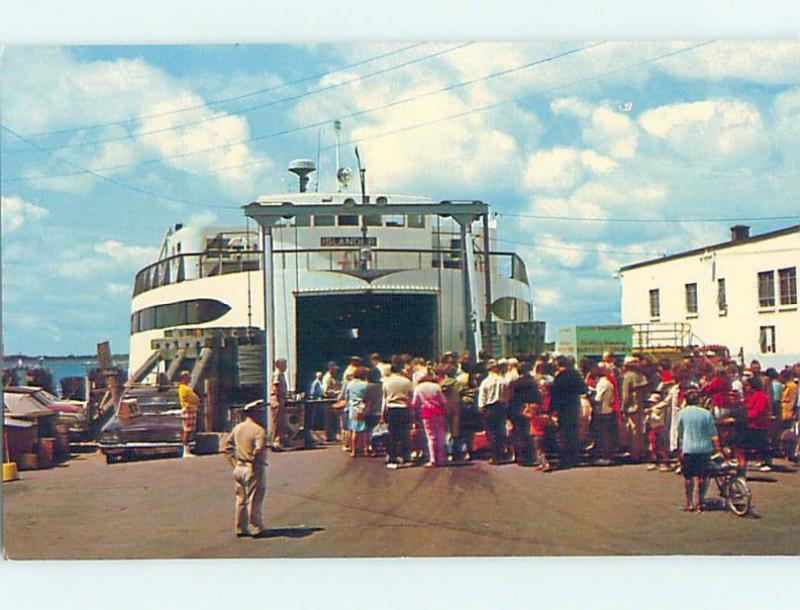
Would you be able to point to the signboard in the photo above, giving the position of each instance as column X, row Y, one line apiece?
column 594, row 340
column 565, row 342
column 345, row 241
column 582, row 341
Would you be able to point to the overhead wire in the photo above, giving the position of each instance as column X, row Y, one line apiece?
column 227, row 99
column 316, row 124
column 260, row 106
column 93, row 172
column 538, row 246
column 113, row 181
column 671, row 220
column 462, row 114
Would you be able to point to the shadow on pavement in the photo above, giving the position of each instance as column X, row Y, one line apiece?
column 759, row 478
column 289, row 532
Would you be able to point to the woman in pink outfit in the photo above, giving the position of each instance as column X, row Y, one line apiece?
column 432, row 405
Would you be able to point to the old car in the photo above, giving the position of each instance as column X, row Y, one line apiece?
column 147, row 422
column 70, row 412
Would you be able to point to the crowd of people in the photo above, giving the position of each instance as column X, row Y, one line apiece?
column 550, row 412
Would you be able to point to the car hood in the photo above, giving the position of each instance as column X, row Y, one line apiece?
column 145, row 427
column 66, row 407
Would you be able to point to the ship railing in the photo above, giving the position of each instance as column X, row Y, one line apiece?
column 198, row 265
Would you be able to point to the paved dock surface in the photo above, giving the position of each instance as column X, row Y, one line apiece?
column 322, row 503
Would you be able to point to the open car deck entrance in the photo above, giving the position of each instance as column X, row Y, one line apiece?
column 336, row 327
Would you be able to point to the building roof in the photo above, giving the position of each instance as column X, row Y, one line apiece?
column 712, row 248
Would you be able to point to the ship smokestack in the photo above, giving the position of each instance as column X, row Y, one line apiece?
column 302, row 168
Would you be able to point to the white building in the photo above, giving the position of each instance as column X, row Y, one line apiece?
column 741, row 293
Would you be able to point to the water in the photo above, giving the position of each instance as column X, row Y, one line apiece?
column 64, row 367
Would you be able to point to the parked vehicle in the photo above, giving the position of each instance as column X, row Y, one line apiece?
column 70, row 412
column 147, row 422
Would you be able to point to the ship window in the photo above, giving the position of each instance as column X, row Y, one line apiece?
column 416, row 221
column 395, row 220
column 373, row 220
column 147, row 318
column 302, row 221
column 348, row 220
column 512, row 309
column 324, row 221
column 177, row 314
column 193, row 312
column 172, row 314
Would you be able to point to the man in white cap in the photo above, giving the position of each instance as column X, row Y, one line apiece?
column 246, row 450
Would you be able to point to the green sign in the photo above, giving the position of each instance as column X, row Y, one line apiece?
column 582, row 341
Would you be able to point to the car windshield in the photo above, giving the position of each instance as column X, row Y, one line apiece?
column 157, row 403
column 45, row 397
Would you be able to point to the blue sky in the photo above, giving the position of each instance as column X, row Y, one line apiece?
column 709, row 132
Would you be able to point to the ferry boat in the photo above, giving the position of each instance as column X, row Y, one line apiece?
column 333, row 274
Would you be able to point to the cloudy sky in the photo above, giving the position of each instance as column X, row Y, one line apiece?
column 579, row 147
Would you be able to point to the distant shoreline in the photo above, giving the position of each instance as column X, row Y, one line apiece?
column 9, row 357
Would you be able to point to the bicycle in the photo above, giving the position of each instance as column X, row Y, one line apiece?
column 732, row 488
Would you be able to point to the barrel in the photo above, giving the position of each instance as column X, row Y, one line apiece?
column 46, row 452
column 28, row 461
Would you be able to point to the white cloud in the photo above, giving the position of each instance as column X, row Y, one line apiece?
column 202, row 219
column 448, row 157
column 717, row 132
column 562, row 168
column 82, row 268
column 544, row 297
column 49, row 89
column 612, row 133
column 571, row 106
column 117, row 289
column 786, row 128
column 762, row 61
column 129, row 255
column 16, row 212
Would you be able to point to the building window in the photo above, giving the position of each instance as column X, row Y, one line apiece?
column 766, row 289
column 691, row 298
column 787, row 280
column 766, row 338
column 722, row 297
column 655, row 304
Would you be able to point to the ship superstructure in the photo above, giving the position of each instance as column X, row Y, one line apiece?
column 349, row 274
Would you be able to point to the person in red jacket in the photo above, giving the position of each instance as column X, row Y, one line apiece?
column 754, row 436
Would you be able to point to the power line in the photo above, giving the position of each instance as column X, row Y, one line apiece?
column 649, row 220
column 538, row 246
column 527, row 95
column 124, row 185
column 318, row 123
column 269, row 104
column 466, row 112
column 227, row 99
column 458, row 115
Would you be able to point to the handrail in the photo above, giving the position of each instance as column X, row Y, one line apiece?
column 174, row 269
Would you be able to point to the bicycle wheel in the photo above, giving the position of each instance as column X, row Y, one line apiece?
column 739, row 497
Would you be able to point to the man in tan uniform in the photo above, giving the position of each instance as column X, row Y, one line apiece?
column 246, row 450
column 279, row 389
